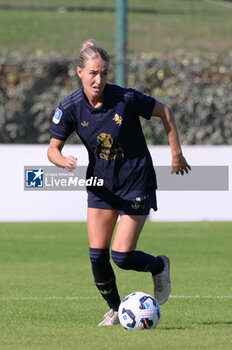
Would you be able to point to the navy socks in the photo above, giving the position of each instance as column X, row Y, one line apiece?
column 138, row 261
column 104, row 276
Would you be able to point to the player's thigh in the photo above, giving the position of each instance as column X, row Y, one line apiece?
column 100, row 224
column 128, row 232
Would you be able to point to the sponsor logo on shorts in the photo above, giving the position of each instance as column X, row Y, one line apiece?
column 135, row 206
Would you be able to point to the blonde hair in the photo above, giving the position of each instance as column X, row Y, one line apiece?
column 89, row 51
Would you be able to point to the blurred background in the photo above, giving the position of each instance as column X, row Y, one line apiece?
column 179, row 51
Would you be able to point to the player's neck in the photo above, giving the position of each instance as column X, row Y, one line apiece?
column 94, row 101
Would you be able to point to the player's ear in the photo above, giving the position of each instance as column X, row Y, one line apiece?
column 79, row 72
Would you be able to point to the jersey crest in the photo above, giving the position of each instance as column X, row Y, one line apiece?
column 117, row 119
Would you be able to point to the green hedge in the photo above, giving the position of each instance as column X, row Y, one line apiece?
column 198, row 90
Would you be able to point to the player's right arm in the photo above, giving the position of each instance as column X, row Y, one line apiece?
column 56, row 157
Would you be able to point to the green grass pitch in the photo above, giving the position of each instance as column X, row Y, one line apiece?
column 48, row 299
column 198, row 26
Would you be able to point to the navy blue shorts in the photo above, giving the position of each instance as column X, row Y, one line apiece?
column 140, row 205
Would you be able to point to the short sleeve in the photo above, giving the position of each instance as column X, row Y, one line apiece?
column 143, row 104
column 61, row 126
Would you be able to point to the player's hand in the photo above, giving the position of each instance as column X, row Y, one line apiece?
column 70, row 163
column 180, row 165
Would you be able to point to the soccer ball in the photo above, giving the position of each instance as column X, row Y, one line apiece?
column 139, row 311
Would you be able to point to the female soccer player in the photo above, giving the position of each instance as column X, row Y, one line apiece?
column 106, row 117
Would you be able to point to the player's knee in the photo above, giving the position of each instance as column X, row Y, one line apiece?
column 99, row 256
column 122, row 259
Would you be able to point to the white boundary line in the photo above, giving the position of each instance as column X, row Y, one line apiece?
column 98, row 297
column 200, row 296
column 47, row 298
column 219, row 3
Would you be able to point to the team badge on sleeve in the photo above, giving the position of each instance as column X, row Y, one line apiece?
column 57, row 116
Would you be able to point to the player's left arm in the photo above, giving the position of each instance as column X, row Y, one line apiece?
column 179, row 163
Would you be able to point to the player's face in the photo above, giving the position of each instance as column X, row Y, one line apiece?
column 94, row 77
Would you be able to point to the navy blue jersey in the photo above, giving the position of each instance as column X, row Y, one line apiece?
column 113, row 136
